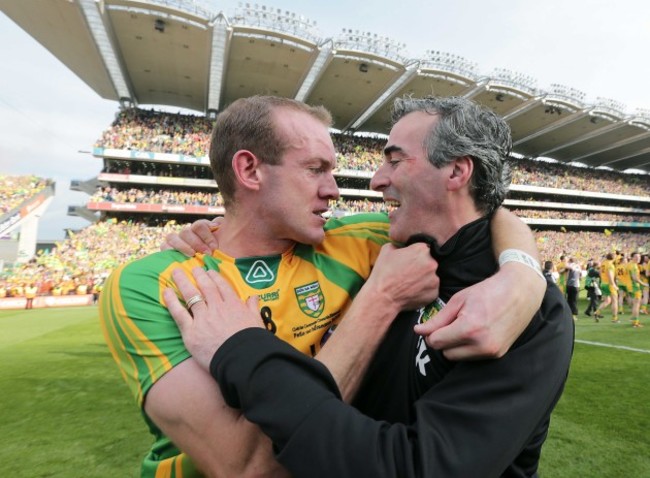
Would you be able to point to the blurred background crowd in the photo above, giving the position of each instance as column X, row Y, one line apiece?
column 81, row 262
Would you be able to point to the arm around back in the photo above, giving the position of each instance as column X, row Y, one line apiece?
column 484, row 320
column 186, row 404
column 483, row 418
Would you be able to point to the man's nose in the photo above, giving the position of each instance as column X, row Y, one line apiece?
column 379, row 180
column 330, row 190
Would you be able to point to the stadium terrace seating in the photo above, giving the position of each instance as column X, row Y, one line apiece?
column 88, row 256
column 145, row 179
column 151, row 131
column 15, row 190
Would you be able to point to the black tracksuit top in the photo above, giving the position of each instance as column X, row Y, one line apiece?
column 417, row 414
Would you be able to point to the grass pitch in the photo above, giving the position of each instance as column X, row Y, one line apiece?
column 65, row 411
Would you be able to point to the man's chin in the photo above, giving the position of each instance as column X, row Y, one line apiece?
column 396, row 235
column 313, row 239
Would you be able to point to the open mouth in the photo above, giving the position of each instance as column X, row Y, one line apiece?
column 391, row 205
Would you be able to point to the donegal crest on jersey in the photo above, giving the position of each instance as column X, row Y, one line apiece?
column 430, row 310
column 311, row 299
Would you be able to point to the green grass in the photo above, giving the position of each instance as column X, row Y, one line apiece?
column 65, row 411
column 600, row 427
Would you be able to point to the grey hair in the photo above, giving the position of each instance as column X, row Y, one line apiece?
column 466, row 129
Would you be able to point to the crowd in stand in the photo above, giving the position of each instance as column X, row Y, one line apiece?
column 148, row 130
column 559, row 175
column 579, row 215
column 159, row 196
column 81, row 262
column 87, row 257
column 16, row 189
column 348, row 206
column 143, row 130
column 344, row 205
column 144, row 168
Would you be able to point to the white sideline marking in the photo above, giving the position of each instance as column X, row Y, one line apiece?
column 620, row 347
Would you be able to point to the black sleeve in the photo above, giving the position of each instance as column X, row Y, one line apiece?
column 475, row 422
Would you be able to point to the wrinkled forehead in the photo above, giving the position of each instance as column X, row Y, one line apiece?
column 411, row 130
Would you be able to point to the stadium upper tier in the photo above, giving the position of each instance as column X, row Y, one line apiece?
column 155, row 169
column 164, row 145
column 172, row 52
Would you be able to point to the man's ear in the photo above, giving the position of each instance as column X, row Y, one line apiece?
column 461, row 172
column 246, row 168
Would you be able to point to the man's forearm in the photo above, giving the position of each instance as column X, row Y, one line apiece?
column 350, row 349
column 186, row 404
column 510, row 232
column 402, row 279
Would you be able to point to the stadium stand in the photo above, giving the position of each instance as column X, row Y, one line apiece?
column 155, row 174
column 150, row 186
column 14, row 190
column 23, row 199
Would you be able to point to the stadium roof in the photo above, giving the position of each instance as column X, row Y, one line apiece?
column 180, row 53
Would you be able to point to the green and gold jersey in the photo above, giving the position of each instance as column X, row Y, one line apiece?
column 623, row 275
column 633, row 273
column 303, row 295
column 605, row 268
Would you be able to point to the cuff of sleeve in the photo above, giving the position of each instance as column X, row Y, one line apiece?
column 239, row 355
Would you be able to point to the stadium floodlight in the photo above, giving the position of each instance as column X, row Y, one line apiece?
column 276, row 20
column 609, row 106
column 640, row 118
column 198, row 8
column 372, row 43
column 563, row 92
column 643, row 113
column 450, row 63
column 519, row 81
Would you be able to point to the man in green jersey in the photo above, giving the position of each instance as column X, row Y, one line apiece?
column 273, row 160
column 608, row 287
column 635, row 287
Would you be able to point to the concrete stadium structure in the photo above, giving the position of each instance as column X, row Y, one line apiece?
column 181, row 53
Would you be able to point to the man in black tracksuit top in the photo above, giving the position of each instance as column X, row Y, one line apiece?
column 440, row 418
column 417, row 413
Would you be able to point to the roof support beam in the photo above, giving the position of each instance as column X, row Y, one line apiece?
column 553, row 126
column 323, row 59
column 618, row 144
column 585, row 137
column 90, row 9
column 221, row 34
column 524, row 107
column 387, row 95
column 631, row 160
column 472, row 92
